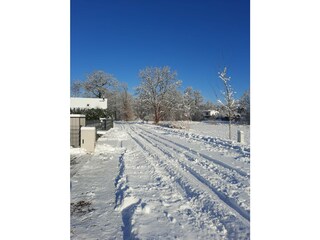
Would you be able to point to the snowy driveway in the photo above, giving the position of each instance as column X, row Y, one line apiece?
column 150, row 182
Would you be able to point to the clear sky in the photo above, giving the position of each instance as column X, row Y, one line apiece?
column 195, row 38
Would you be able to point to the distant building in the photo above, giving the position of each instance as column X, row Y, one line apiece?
column 87, row 103
column 209, row 113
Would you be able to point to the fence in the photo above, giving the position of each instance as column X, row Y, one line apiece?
column 104, row 124
column 77, row 121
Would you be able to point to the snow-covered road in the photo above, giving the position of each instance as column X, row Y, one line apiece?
column 151, row 182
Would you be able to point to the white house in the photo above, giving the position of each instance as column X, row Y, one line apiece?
column 209, row 113
column 88, row 103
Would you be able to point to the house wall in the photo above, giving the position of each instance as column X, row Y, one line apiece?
column 209, row 113
column 89, row 103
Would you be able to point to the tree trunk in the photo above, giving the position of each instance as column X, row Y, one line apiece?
column 115, row 115
column 156, row 115
column 229, row 127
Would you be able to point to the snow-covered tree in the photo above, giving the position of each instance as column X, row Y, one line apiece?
column 244, row 107
column 141, row 110
column 114, row 102
column 196, row 113
column 97, row 83
column 100, row 84
column 76, row 88
column 173, row 109
column 188, row 103
column 156, row 88
column 208, row 105
column 126, row 108
column 229, row 104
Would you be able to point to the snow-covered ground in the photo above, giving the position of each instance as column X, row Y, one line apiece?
column 214, row 128
column 151, row 182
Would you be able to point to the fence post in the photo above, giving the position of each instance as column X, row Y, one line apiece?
column 240, row 136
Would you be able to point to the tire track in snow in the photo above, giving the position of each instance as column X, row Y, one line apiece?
column 195, row 214
column 195, row 217
column 213, row 141
column 220, row 170
column 230, row 202
column 128, row 202
column 242, row 173
column 206, row 200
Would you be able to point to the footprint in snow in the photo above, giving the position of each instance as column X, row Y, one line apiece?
column 168, row 216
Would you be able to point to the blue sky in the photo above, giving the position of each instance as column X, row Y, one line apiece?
column 195, row 38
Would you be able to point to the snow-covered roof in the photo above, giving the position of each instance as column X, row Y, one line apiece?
column 210, row 110
column 88, row 103
column 77, row 115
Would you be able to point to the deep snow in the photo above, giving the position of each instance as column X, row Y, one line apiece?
column 150, row 182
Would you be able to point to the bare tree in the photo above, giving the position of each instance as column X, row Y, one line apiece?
column 196, row 113
column 126, row 104
column 173, row 109
column 229, row 104
column 141, row 109
column 97, row 84
column 157, row 84
column 76, row 88
column 114, row 102
column 192, row 103
column 188, row 103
